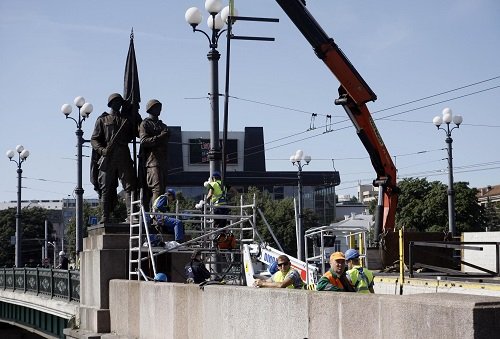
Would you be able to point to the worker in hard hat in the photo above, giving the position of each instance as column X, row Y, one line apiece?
column 335, row 279
column 217, row 196
column 153, row 153
column 63, row 261
column 361, row 278
column 165, row 203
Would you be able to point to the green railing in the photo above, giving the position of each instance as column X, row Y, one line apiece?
column 53, row 283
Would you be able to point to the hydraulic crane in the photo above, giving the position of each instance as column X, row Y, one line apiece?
column 354, row 93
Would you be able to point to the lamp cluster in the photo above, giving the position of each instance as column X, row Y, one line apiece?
column 23, row 154
column 447, row 118
column 216, row 20
column 299, row 156
column 84, row 108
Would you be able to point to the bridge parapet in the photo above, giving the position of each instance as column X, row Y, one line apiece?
column 170, row 310
column 53, row 283
column 45, row 301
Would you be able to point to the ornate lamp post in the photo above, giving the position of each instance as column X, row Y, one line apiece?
column 23, row 154
column 300, row 160
column 447, row 118
column 84, row 110
column 215, row 23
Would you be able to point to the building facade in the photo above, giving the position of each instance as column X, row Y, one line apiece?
column 246, row 167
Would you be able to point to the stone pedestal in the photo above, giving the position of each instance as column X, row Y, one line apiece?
column 104, row 257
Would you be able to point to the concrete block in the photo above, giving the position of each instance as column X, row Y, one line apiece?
column 439, row 315
column 98, row 268
column 345, row 310
column 124, row 301
column 487, row 258
column 154, row 313
column 252, row 312
column 94, row 320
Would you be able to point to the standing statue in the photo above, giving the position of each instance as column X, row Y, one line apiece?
column 153, row 153
column 110, row 139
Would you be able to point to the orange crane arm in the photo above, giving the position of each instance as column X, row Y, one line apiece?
column 354, row 93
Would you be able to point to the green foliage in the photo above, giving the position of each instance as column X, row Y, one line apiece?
column 492, row 215
column 470, row 216
column 280, row 214
column 184, row 204
column 33, row 225
column 70, row 232
column 423, row 206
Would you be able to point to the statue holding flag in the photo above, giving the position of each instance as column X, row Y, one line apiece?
column 111, row 160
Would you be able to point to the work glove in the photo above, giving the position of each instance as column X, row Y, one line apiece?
column 200, row 204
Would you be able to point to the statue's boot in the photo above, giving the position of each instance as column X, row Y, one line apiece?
column 128, row 203
column 105, row 207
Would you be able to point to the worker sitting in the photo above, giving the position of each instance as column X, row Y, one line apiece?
column 165, row 223
column 286, row 277
column 195, row 270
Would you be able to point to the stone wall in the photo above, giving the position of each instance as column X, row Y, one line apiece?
column 170, row 310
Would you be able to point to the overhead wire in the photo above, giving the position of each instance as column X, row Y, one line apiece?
column 345, row 120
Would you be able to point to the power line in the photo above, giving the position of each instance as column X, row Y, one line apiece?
column 438, row 94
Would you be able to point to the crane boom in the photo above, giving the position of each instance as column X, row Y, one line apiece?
column 354, row 93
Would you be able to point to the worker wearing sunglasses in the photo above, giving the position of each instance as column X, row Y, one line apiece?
column 286, row 277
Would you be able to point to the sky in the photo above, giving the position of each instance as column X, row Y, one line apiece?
column 417, row 56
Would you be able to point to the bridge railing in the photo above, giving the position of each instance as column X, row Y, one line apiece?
column 53, row 283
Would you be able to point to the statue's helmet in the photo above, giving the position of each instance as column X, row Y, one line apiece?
column 114, row 96
column 151, row 103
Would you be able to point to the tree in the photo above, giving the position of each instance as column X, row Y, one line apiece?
column 423, row 206
column 492, row 215
column 470, row 216
column 33, row 224
column 280, row 214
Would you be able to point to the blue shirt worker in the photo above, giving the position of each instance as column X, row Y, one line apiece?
column 217, row 196
column 167, row 223
column 286, row 277
column 361, row 278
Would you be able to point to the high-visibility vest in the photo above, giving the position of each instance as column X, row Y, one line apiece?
column 280, row 277
column 219, row 194
column 334, row 280
column 361, row 279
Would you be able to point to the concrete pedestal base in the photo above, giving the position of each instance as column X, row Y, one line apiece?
column 104, row 257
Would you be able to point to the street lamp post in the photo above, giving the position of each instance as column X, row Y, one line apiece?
column 84, row 110
column 298, row 160
column 447, row 118
column 23, row 154
column 215, row 24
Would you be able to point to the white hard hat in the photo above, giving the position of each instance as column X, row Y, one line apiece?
column 62, row 253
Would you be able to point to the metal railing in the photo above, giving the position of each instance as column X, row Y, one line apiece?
column 450, row 258
column 52, row 283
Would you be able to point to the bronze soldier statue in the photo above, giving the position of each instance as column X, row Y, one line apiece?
column 110, row 139
column 153, row 153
